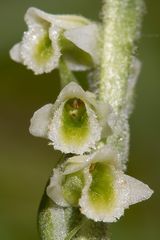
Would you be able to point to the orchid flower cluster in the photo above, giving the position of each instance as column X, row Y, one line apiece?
column 79, row 123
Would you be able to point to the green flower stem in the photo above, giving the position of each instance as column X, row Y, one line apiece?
column 121, row 29
column 66, row 74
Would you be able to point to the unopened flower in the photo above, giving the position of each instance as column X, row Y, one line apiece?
column 104, row 191
column 74, row 123
column 50, row 36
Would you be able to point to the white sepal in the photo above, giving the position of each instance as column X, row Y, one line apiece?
column 138, row 191
column 15, row 53
column 40, row 121
column 85, row 38
column 54, row 189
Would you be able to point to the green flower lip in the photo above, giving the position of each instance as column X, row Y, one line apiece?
column 101, row 191
column 43, row 50
column 75, row 125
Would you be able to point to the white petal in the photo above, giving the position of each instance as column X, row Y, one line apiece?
column 119, row 138
column 105, row 154
column 70, row 21
column 138, row 190
column 76, row 163
column 40, row 121
column 74, row 65
column 36, row 16
column 85, row 38
column 73, row 90
column 54, row 189
column 15, row 53
column 62, row 21
column 103, row 111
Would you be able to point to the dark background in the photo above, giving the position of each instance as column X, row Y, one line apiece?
column 26, row 162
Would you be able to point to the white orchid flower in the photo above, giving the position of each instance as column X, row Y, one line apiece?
column 50, row 36
column 74, row 123
column 98, row 186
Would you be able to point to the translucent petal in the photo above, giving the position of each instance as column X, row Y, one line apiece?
column 104, row 110
column 62, row 21
column 85, row 38
column 76, row 163
column 75, row 58
column 135, row 71
column 40, row 121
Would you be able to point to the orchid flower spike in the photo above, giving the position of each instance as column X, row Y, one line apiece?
column 75, row 123
column 50, row 36
column 97, row 185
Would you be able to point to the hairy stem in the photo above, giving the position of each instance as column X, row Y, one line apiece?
column 121, row 29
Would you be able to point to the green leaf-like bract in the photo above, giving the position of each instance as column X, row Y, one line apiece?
column 57, row 223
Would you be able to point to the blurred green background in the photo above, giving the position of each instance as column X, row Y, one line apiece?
column 26, row 162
